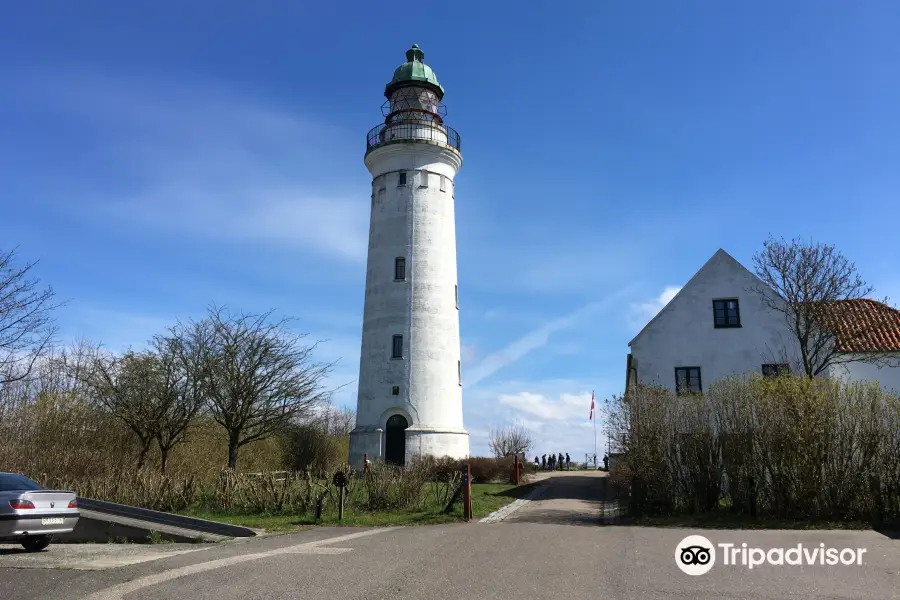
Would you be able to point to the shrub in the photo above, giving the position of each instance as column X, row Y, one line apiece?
column 388, row 487
column 791, row 447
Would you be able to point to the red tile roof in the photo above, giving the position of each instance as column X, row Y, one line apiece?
column 864, row 325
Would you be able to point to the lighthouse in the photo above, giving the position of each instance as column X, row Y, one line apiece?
column 409, row 401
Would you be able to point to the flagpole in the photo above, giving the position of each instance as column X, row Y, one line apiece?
column 594, row 419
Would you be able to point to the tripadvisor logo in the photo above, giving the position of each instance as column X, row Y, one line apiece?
column 696, row 555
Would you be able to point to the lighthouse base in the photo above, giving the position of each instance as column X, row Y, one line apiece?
column 419, row 441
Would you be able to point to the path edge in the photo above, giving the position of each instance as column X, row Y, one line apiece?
column 503, row 512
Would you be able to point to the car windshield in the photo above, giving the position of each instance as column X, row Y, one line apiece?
column 15, row 483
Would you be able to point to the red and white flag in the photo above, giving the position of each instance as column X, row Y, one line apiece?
column 592, row 407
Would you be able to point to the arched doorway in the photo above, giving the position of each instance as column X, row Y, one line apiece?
column 395, row 440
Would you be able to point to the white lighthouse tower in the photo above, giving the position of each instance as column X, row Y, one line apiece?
column 410, row 379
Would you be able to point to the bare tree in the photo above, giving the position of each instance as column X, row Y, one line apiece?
column 125, row 385
column 177, row 390
column 258, row 376
column 26, row 319
column 338, row 421
column 510, row 440
column 813, row 283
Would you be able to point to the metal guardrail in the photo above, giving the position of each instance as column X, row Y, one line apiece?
column 164, row 518
column 428, row 131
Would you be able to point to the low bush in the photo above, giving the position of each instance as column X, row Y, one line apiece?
column 382, row 488
column 789, row 447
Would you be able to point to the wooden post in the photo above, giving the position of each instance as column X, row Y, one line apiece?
column 517, row 470
column 341, row 505
column 467, row 493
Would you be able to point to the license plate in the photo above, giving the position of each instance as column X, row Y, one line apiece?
column 52, row 521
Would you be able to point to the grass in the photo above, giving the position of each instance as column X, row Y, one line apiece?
column 486, row 498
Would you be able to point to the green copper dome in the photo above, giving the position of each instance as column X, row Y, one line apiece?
column 414, row 71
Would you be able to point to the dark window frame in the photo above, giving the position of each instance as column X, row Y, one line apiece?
column 400, row 268
column 397, row 346
column 679, row 390
column 401, row 178
column 395, row 391
column 726, row 321
column 773, row 370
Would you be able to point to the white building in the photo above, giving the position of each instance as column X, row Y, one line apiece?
column 718, row 325
column 410, row 380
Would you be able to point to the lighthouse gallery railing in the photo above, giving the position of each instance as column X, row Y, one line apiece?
column 412, row 130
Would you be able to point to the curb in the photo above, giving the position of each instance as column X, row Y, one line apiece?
column 502, row 513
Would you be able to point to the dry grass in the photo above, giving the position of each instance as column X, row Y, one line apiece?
column 53, row 432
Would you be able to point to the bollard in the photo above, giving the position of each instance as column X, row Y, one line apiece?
column 318, row 508
column 517, row 470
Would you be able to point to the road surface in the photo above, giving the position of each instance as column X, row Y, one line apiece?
column 555, row 547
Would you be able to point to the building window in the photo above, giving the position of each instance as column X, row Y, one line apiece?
column 423, row 179
column 397, row 349
column 687, row 380
column 402, row 180
column 443, row 184
column 456, row 295
column 775, row 370
column 395, row 391
column 726, row 313
column 459, row 371
column 399, row 268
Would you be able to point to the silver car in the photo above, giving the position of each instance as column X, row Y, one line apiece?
column 31, row 515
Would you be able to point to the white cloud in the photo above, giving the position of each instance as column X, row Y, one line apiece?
column 535, row 339
column 642, row 312
column 554, row 411
column 467, row 353
column 209, row 162
column 565, row 407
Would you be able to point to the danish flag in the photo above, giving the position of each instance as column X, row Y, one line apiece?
column 592, row 407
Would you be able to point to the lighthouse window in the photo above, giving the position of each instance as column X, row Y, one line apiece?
column 395, row 391
column 399, row 268
column 443, row 184
column 402, row 179
column 459, row 371
column 397, row 350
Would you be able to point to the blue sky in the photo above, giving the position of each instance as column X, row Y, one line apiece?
column 160, row 158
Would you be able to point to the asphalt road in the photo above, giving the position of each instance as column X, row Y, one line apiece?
column 554, row 547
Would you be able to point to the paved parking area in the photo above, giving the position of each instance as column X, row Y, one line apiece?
column 91, row 557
